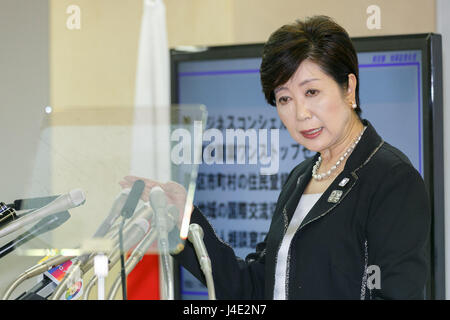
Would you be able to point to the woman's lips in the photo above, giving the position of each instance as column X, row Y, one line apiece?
column 312, row 133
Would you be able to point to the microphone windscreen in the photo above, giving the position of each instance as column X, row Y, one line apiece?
column 77, row 197
column 157, row 198
column 194, row 229
column 133, row 198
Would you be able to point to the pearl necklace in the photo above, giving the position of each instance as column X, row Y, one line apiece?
column 321, row 176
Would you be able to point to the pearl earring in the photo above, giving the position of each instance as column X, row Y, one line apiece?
column 354, row 106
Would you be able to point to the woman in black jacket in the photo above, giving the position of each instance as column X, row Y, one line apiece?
column 352, row 222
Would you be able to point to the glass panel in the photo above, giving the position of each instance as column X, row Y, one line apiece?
column 98, row 171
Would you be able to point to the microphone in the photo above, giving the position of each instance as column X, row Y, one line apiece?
column 109, row 227
column 105, row 228
column 141, row 250
column 134, row 234
column 158, row 202
column 165, row 217
column 45, row 225
column 137, row 228
column 113, row 214
column 60, row 260
column 7, row 214
column 31, row 203
column 145, row 213
column 195, row 236
column 133, row 199
column 158, row 199
column 127, row 210
column 64, row 202
column 132, row 230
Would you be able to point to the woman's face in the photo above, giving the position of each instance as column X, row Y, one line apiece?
column 314, row 109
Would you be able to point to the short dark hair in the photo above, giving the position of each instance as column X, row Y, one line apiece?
column 319, row 39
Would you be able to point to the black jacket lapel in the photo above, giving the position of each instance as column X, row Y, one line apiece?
column 342, row 184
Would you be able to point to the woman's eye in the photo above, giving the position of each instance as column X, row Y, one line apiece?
column 283, row 100
column 311, row 92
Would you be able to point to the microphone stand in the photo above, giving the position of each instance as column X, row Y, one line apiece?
column 123, row 276
column 163, row 225
column 195, row 236
column 127, row 211
column 163, row 244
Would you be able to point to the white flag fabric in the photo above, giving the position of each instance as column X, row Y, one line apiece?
column 150, row 141
column 150, row 157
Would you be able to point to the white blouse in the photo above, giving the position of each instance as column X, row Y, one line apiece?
column 305, row 204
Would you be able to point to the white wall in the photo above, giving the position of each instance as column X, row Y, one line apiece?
column 443, row 27
column 24, row 92
column 24, row 88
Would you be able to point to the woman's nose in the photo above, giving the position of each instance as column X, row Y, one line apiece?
column 302, row 113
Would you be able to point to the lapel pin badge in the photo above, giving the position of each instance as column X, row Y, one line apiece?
column 335, row 196
column 344, row 182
